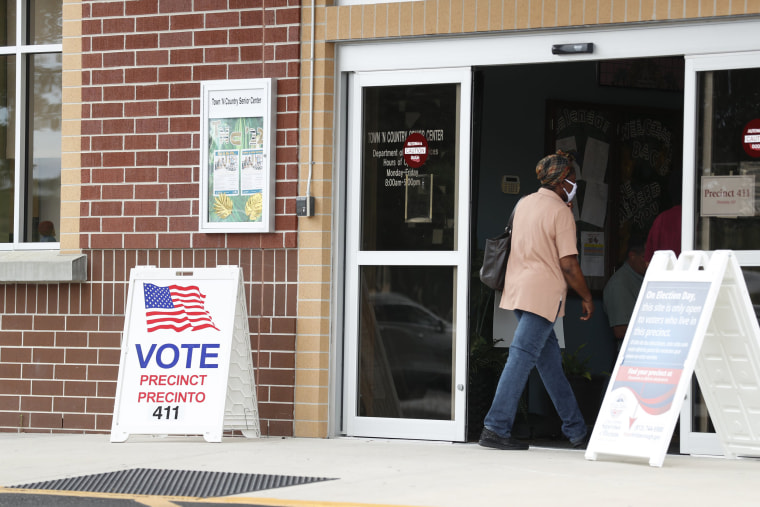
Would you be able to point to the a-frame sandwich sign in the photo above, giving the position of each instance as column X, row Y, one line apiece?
column 693, row 315
column 186, row 365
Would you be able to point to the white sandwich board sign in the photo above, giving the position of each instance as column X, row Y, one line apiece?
column 693, row 315
column 186, row 363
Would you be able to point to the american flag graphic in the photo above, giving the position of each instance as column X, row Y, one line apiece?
column 175, row 307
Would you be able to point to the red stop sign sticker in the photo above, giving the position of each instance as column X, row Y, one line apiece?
column 751, row 138
column 415, row 150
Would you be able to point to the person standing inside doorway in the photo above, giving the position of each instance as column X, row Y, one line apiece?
column 542, row 263
column 622, row 289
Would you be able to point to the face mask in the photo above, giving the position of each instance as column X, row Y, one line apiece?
column 571, row 195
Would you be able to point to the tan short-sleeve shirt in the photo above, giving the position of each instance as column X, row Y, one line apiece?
column 543, row 231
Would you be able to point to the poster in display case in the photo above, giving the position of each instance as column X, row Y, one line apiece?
column 237, row 155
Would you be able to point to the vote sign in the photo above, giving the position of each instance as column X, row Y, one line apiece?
column 175, row 353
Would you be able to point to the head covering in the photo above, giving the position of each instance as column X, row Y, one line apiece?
column 552, row 169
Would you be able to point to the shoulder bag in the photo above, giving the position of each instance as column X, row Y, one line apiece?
column 495, row 257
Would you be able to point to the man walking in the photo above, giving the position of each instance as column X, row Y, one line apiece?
column 542, row 263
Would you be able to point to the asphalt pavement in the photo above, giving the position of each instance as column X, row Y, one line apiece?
column 372, row 472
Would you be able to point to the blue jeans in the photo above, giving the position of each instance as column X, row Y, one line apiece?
column 534, row 344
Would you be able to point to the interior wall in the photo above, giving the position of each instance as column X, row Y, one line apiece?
column 511, row 140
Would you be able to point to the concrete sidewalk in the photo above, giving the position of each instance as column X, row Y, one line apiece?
column 395, row 472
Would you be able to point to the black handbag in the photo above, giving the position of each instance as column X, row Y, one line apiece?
column 495, row 257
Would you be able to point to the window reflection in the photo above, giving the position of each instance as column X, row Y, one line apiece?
column 7, row 144
column 44, row 148
column 406, row 339
column 45, row 21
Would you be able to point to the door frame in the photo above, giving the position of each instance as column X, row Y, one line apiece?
column 693, row 39
column 355, row 425
column 696, row 442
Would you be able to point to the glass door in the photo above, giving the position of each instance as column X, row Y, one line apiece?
column 721, row 197
column 407, row 227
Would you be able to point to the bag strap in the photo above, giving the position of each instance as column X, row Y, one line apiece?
column 512, row 215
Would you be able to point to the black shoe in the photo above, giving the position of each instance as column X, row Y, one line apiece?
column 490, row 439
column 582, row 443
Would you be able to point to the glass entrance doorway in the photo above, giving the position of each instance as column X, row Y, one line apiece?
column 407, row 254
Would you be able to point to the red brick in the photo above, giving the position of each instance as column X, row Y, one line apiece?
column 286, row 52
column 141, row 7
column 100, row 405
column 175, row 73
column 118, row 159
column 107, row 208
column 70, row 372
column 119, row 59
column 137, row 142
column 121, row 126
column 108, row 43
column 22, row 322
column 173, row 209
column 111, row 192
column 210, row 38
column 44, row 420
column 92, row 27
column 141, row 75
column 15, row 355
column 68, row 404
column 290, row 16
column 185, row 157
column 175, row 240
column 81, row 323
column 186, row 22
column 278, row 428
column 119, row 25
column 152, row 158
column 122, row 93
column 102, row 372
column 140, row 240
column 10, row 370
column 92, row 127
column 106, row 389
column 222, row 20
column 152, row 125
column 180, row 191
column 141, row 175
column 109, row 356
column 15, row 386
column 107, row 9
column 183, row 223
column 186, row 56
column 168, row 6
column 152, row 24
column 47, row 387
column 108, row 176
column 37, row 371
column 276, row 410
column 175, row 39
column 92, row 61
column 252, row 18
column 151, row 58
column 185, row 90
column 226, row 54
column 140, row 208
column 151, row 224
column 103, row 143
column 103, row 422
column 81, row 356
column 36, row 403
column 42, row 338
column 79, row 421
column 9, row 402
column 80, row 389
column 50, row 356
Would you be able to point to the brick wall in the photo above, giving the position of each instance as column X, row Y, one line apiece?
column 136, row 132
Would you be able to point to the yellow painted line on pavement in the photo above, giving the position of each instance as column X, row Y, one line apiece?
column 168, row 501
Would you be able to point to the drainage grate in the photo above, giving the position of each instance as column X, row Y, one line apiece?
column 188, row 483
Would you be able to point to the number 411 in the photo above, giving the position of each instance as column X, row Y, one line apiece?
column 159, row 412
